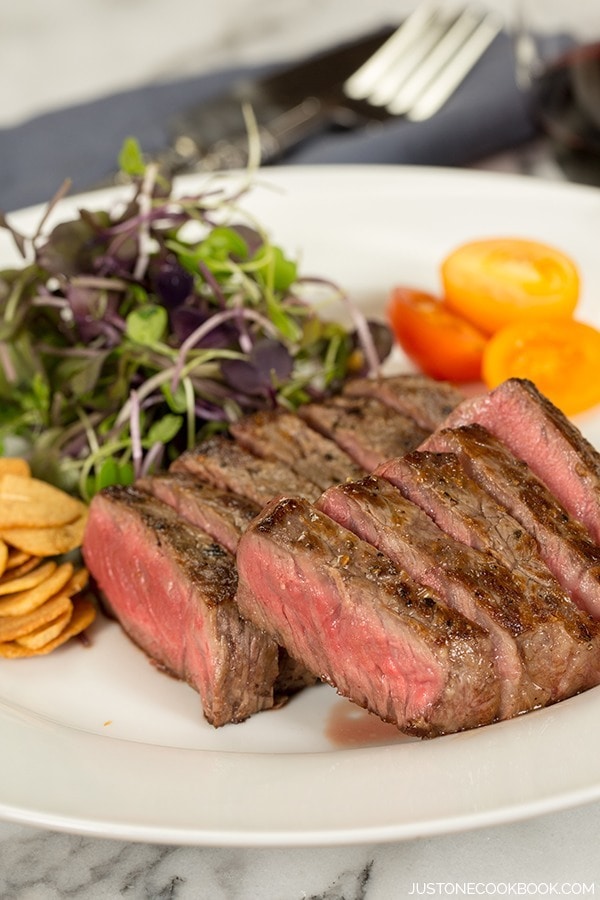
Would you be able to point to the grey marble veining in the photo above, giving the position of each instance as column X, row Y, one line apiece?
column 110, row 44
column 556, row 850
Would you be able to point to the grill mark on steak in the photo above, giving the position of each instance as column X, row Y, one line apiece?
column 367, row 430
column 562, row 645
column 564, row 544
column 423, row 399
column 284, row 437
column 528, row 644
column 172, row 588
column 226, row 465
column 359, row 621
column 224, row 516
column 540, row 434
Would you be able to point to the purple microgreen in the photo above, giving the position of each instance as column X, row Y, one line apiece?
column 137, row 328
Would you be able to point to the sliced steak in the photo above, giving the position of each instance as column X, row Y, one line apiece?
column 567, row 638
column 538, row 660
column 361, row 622
column 541, row 435
column 284, row 437
column 224, row 464
column 563, row 543
column 367, row 430
column 222, row 514
column 423, row 399
column 172, row 588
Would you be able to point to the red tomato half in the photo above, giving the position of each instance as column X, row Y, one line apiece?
column 439, row 342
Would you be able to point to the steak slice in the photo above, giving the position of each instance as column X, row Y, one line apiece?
column 530, row 642
column 172, row 588
column 221, row 514
column 569, row 661
column 541, row 435
column 224, row 516
column 286, row 438
column 563, row 543
column 423, row 399
column 226, row 465
column 359, row 621
column 367, row 430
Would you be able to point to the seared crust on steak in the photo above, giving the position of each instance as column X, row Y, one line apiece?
column 426, row 401
column 363, row 624
column 222, row 514
column 526, row 643
column 172, row 588
column 563, row 543
column 228, row 466
column 438, row 483
column 284, row 437
column 367, row 430
column 551, row 445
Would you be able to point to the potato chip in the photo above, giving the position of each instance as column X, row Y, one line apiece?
column 76, row 582
column 4, row 553
column 28, row 580
column 14, row 465
column 84, row 613
column 47, row 541
column 45, row 633
column 22, row 602
column 18, row 558
column 16, row 571
column 31, row 503
column 13, row 627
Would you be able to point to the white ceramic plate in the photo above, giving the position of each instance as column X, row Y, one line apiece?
column 96, row 741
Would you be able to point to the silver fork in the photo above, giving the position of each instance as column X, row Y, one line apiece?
column 420, row 66
column 412, row 74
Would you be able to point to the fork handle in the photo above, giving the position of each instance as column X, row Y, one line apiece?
column 276, row 138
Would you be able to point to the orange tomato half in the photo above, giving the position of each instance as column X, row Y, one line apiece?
column 561, row 358
column 497, row 281
column 440, row 343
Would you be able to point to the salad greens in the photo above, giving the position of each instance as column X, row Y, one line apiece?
column 130, row 334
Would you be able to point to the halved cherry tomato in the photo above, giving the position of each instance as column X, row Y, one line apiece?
column 441, row 343
column 497, row 281
column 561, row 358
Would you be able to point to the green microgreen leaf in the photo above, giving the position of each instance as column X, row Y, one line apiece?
column 131, row 159
column 147, row 326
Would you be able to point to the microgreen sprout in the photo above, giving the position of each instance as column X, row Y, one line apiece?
column 128, row 334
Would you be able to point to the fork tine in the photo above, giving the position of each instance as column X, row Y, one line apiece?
column 434, row 63
column 408, row 61
column 442, row 87
column 360, row 84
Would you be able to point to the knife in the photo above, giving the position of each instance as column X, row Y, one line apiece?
column 289, row 106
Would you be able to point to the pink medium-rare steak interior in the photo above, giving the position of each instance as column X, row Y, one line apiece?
column 362, row 624
column 378, row 514
column 564, row 543
column 172, row 588
column 541, row 435
column 546, row 649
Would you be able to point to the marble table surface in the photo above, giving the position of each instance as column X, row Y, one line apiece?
column 55, row 54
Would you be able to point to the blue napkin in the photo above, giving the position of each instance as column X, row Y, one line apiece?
column 487, row 115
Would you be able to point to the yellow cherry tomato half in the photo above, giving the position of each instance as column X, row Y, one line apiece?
column 561, row 358
column 497, row 281
column 440, row 343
